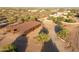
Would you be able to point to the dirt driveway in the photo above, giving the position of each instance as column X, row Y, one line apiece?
column 74, row 36
column 60, row 45
column 28, row 43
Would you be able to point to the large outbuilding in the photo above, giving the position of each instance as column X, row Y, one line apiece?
column 25, row 27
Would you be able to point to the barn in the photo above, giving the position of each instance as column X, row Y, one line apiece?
column 25, row 27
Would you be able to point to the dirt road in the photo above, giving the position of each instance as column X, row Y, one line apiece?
column 74, row 36
column 60, row 45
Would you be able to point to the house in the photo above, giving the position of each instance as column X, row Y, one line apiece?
column 25, row 27
column 34, row 10
column 60, row 14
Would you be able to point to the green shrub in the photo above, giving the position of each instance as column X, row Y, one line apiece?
column 69, row 20
column 59, row 28
column 25, row 18
column 44, row 30
column 59, row 18
column 8, row 48
column 52, row 18
column 32, row 18
column 63, row 33
column 43, row 37
column 56, row 20
column 11, row 20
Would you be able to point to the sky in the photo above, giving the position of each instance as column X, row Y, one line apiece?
column 39, row 3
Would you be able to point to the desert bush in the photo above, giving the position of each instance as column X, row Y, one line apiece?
column 11, row 20
column 52, row 18
column 56, row 20
column 58, row 28
column 44, row 30
column 32, row 18
column 69, row 20
column 63, row 33
column 25, row 18
column 8, row 48
column 43, row 37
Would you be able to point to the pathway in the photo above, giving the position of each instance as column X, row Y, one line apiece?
column 59, row 43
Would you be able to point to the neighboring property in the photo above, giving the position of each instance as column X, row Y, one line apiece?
column 60, row 14
column 3, row 21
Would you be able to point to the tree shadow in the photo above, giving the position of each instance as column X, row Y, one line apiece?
column 49, row 47
column 21, row 43
column 44, row 30
column 57, row 28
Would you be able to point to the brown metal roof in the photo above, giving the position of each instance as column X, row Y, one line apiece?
column 26, row 26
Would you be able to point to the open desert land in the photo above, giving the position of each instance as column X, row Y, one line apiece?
column 39, row 29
